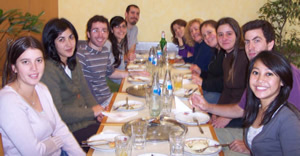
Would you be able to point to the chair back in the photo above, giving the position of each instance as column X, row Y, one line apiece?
column 1, row 146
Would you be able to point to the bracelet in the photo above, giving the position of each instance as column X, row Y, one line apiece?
column 181, row 47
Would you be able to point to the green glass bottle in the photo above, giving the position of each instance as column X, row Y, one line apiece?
column 163, row 43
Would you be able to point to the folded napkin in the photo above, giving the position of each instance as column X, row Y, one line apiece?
column 119, row 116
column 181, row 106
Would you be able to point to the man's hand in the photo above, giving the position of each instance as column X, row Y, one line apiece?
column 197, row 79
column 220, row 122
column 199, row 102
column 195, row 69
column 239, row 146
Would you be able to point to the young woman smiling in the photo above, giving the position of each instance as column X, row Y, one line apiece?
column 63, row 75
column 272, row 124
column 235, row 65
column 29, row 121
column 212, row 85
column 178, row 32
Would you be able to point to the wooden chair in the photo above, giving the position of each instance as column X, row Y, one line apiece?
column 1, row 146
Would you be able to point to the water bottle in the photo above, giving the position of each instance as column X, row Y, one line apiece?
column 167, row 94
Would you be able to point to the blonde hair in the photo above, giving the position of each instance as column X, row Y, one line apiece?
column 187, row 35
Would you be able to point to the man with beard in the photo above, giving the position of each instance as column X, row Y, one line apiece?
column 132, row 16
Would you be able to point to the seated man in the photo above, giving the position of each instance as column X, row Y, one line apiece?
column 259, row 36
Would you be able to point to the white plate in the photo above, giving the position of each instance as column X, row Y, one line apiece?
column 152, row 154
column 133, row 105
column 182, row 91
column 107, row 136
column 139, row 79
column 187, row 117
column 136, row 67
column 187, row 76
column 181, row 66
column 192, row 144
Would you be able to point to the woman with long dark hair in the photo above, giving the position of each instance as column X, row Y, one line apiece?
column 29, row 121
column 64, row 77
column 272, row 124
column 118, row 39
column 235, row 65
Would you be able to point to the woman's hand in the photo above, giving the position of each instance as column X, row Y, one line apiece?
column 195, row 69
column 97, row 109
column 131, row 56
column 199, row 102
column 197, row 79
column 239, row 146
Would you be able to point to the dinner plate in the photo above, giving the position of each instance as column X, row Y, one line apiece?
column 181, row 66
column 133, row 105
column 105, row 136
column 182, row 91
column 152, row 154
column 139, row 79
column 136, row 67
column 187, row 76
column 187, row 117
column 137, row 90
column 192, row 144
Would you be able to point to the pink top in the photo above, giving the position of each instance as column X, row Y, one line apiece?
column 28, row 132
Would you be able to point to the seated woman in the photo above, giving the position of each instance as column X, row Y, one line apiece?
column 202, row 52
column 235, row 66
column 212, row 85
column 63, row 75
column 29, row 121
column 272, row 124
column 177, row 30
column 118, row 39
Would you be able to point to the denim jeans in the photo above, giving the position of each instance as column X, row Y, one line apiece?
column 211, row 97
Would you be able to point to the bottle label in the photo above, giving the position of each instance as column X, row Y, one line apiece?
column 154, row 61
column 156, row 91
column 159, row 52
column 150, row 59
column 169, row 85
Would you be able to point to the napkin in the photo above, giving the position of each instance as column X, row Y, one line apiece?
column 180, row 106
column 119, row 116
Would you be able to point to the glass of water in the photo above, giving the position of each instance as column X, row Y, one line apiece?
column 176, row 140
column 138, row 133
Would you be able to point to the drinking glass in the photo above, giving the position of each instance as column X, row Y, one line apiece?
column 177, row 81
column 123, row 145
column 167, row 102
column 138, row 133
column 154, row 105
column 176, row 140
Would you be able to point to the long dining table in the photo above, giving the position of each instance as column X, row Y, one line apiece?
column 110, row 124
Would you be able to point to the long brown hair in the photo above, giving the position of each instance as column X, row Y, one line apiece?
column 239, row 42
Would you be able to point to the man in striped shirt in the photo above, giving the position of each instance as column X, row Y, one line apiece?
column 94, row 56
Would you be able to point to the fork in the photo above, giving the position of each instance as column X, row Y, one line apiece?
column 203, row 149
column 198, row 125
column 189, row 93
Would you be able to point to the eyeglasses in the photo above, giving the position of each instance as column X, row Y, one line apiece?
column 120, row 26
column 103, row 31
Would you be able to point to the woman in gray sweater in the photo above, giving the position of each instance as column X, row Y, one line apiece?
column 272, row 124
column 64, row 78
